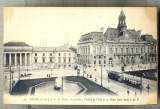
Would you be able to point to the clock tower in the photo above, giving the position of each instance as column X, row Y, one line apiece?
column 122, row 23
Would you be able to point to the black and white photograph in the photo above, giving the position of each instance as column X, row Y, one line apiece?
column 80, row 55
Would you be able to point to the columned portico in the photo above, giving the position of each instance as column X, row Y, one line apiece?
column 25, row 56
column 15, row 59
column 9, row 58
column 4, row 59
column 20, row 58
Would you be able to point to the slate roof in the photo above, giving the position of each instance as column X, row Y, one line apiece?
column 114, row 33
column 63, row 49
column 16, row 43
column 73, row 49
column 92, row 36
column 148, row 38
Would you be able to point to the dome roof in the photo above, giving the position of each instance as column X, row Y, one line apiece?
column 16, row 43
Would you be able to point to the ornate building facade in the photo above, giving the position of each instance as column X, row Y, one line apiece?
column 116, row 46
column 21, row 54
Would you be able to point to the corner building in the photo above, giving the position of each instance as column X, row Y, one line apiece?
column 116, row 46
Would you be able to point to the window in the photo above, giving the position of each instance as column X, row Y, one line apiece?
column 59, row 60
column 141, row 50
column 43, row 54
column 50, row 54
column 94, row 57
column 35, row 60
column 69, row 59
column 104, row 57
column 104, row 61
column 50, row 59
column 121, row 50
column 99, row 57
column 136, row 50
column 126, row 50
column 116, row 50
column 94, row 62
column 69, row 54
column 64, row 54
column 59, row 54
column 131, row 50
column 35, row 54
column 43, row 59
column 148, row 50
column 99, row 61
column 110, row 50
column 64, row 59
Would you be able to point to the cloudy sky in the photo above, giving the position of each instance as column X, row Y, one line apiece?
column 56, row 26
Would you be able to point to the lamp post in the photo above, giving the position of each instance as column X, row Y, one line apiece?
column 51, row 71
column 10, row 80
column 19, row 72
column 62, row 85
column 101, row 74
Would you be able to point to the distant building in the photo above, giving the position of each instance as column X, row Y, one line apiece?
column 21, row 54
column 116, row 46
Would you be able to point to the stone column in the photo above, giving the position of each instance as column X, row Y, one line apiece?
column 4, row 59
column 25, row 59
column 10, row 59
column 30, row 59
column 15, row 59
column 20, row 58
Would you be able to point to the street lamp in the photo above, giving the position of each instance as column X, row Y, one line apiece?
column 11, row 79
column 19, row 72
column 51, row 71
column 101, row 74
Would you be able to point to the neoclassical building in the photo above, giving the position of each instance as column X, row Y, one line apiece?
column 116, row 46
column 21, row 54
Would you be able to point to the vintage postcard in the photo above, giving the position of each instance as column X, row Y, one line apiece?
column 80, row 55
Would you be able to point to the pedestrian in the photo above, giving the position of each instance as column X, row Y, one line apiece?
column 95, row 79
column 128, row 92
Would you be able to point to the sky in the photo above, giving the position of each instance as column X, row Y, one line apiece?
column 55, row 26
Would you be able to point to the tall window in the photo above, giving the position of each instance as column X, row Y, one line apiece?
column 131, row 50
column 136, row 50
column 50, row 54
column 99, row 61
column 110, row 50
column 35, row 54
column 148, row 49
column 59, row 59
column 64, row 59
column 64, row 54
column 116, row 50
column 43, row 59
column 104, row 61
column 51, row 60
column 69, row 54
column 121, row 50
column 141, row 50
column 59, row 54
column 126, row 50
column 43, row 54
column 35, row 60
column 69, row 59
